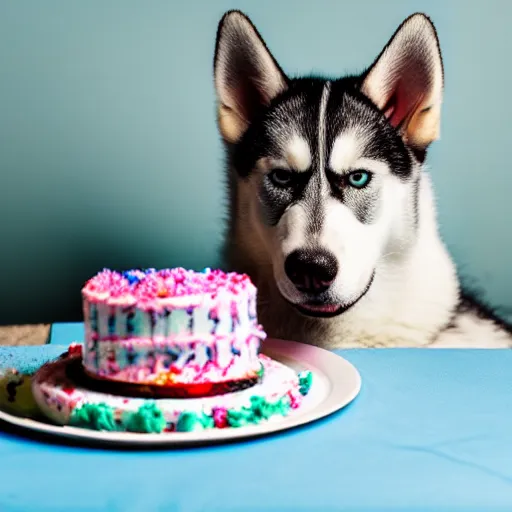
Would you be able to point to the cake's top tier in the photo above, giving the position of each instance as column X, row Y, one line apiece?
column 166, row 288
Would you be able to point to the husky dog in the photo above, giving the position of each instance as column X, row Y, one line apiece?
column 332, row 212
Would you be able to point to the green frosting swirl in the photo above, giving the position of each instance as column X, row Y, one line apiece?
column 239, row 418
column 282, row 406
column 94, row 416
column 305, row 381
column 259, row 410
column 149, row 419
column 207, row 421
column 189, row 421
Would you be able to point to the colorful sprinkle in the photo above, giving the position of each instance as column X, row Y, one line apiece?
column 295, row 399
column 261, row 372
column 75, row 349
column 220, row 417
column 143, row 286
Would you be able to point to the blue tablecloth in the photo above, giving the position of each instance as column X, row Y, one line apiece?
column 430, row 431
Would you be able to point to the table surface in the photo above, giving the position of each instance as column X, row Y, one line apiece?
column 430, row 431
column 14, row 335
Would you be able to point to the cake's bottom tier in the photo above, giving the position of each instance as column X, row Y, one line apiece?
column 174, row 362
column 66, row 403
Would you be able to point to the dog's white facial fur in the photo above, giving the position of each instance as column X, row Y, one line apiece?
column 357, row 246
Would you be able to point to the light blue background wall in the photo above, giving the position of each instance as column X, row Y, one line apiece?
column 109, row 154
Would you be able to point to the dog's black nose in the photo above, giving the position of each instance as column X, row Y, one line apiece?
column 311, row 271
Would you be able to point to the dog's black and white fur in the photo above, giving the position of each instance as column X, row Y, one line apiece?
column 332, row 212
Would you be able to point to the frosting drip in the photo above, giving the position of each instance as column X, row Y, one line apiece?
column 187, row 361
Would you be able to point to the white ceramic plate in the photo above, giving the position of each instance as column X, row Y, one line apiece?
column 336, row 383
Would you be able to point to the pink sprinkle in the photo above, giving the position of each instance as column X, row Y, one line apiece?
column 220, row 417
column 120, row 288
column 147, row 289
column 295, row 398
column 75, row 349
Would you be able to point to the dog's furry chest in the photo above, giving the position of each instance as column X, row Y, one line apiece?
column 474, row 327
column 469, row 327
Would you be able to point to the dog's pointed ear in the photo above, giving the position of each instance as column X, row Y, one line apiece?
column 246, row 75
column 406, row 81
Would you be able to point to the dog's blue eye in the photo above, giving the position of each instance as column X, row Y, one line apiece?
column 359, row 179
column 280, row 177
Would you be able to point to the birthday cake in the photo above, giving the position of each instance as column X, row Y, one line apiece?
column 173, row 328
column 171, row 350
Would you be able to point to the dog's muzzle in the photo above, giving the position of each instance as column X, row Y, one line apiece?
column 312, row 272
